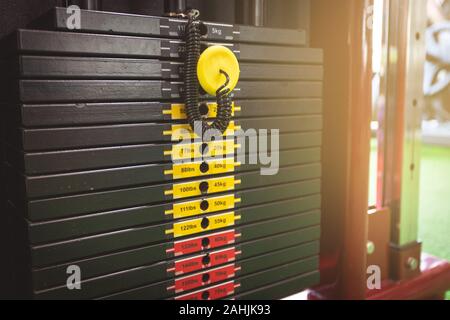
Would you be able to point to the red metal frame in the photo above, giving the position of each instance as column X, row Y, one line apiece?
column 431, row 284
column 340, row 27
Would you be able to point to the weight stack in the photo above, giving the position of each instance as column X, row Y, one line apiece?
column 89, row 139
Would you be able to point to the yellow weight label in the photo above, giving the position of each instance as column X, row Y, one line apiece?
column 184, row 132
column 186, row 228
column 194, row 150
column 207, row 205
column 198, row 169
column 197, row 188
column 178, row 111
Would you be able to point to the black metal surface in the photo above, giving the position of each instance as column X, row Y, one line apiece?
column 281, row 289
column 59, row 207
column 247, row 283
column 73, row 114
column 46, row 139
column 124, row 68
column 54, row 253
column 83, row 154
column 125, row 24
column 158, row 279
column 38, row 163
column 70, row 43
column 91, row 224
column 282, row 232
column 82, row 248
column 301, row 240
column 91, row 181
column 39, row 91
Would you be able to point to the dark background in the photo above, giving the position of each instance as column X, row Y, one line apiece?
column 14, row 14
column 293, row 14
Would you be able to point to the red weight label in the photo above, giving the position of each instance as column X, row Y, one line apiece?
column 197, row 244
column 222, row 257
column 214, row 293
column 204, row 261
column 204, row 278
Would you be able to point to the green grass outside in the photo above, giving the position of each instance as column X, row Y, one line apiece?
column 434, row 208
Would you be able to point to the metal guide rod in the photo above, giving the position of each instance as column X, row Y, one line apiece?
column 250, row 12
column 346, row 144
column 174, row 7
column 401, row 121
column 83, row 4
column 258, row 13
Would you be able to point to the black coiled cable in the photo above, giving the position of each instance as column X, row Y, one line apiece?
column 224, row 106
column 224, row 103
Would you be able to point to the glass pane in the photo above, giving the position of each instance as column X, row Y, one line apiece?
column 435, row 163
column 377, row 45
